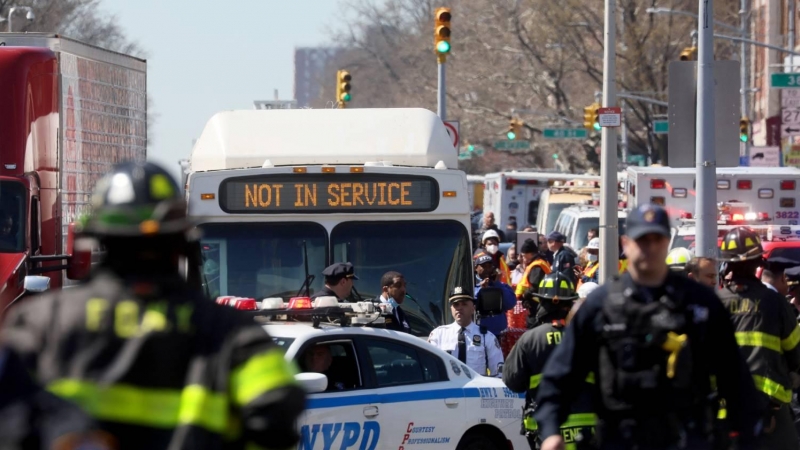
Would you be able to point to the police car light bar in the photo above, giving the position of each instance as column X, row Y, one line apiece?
column 242, row 303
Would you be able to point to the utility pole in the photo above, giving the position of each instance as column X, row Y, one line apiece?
column 705, row 135
column 609, row 219
column 743, row 86
column 441, row 42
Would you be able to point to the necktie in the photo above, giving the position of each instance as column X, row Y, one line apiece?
column 462, row 346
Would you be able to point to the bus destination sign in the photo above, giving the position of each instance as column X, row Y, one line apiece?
column 328, row 193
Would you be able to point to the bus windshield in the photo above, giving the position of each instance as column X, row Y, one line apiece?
column 261, row 260
column 433, row 256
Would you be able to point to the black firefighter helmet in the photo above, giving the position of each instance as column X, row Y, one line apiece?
column 555, row 288
column 740, row 244
column 136, row 200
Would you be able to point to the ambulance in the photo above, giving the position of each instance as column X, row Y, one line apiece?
column 515, row 196
column 770, row 192
column 560, row 196
column 281, row 194
column 475, row 183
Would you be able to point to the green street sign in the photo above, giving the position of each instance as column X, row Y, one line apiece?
column 660, row 126
column 639, row 160
column 512, row 145
column 463, row 156
column 564, row 133
column 785, row 80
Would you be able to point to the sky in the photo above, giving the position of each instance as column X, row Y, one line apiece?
column 203, row 57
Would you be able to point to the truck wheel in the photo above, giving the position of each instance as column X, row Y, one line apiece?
column 476, row 442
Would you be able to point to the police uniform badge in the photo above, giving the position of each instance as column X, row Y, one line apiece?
column 458, row 290
column 476, row 340
column 456, row 369
column 649, row 215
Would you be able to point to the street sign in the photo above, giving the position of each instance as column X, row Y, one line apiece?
column 610, row 117
column 453, row 129
column 790, row 98
column 661, row 126
column 683, row 113
column 512, row 145
column 790, row 122
column 784, row 80
column 765, row 157
column 564, row 133
column 639, row 160
column 463, row 156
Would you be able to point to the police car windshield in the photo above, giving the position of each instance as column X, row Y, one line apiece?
column 262, row 260
column 432, row 255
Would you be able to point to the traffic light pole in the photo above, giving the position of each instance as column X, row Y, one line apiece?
column 609, row 234
column 441, row 106
column 704, row 141
column 743, row 15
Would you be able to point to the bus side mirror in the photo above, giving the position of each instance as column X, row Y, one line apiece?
column 80, row 260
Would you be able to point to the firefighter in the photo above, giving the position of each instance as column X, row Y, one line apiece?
column 156, row 363
column 534, row 273
column 678, row 258
column 653, row 339
column 523, row 368
column 766, row 331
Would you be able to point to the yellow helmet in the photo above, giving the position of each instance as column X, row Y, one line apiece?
column 678, row 258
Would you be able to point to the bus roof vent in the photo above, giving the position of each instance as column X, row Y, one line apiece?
column 440, row 165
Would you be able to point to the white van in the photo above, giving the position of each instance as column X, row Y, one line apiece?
column 575, row 222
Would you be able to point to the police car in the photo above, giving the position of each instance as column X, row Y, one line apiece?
column 387, row 389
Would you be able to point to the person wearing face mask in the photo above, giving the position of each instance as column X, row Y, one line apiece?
column 393, row 293
column 486, row 276
column 491, row 246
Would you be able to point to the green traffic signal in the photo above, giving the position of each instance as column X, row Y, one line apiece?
column 443, row 47
column 555, row 155
column 743, row 137
column 346, row 97
column 511, row 135
column 471, row 148
column 597, row 126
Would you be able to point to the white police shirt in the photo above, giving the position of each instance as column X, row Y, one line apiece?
column 446, row 338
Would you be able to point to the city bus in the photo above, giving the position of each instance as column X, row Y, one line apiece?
column 281, row 194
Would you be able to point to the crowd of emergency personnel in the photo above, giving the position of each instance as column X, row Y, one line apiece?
column 676, row 352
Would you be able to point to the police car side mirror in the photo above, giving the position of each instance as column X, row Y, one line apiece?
column 312, row 382
column 36, row 283
column 489, row 301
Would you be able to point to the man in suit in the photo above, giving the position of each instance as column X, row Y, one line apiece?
column 393, row 293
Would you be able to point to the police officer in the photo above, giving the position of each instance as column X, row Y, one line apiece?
column 533, row 276
column 339, row 279
column 678, row 258
column 766, row 330
column 523, row 367
column 155, row 362
column 563, row 256
column 653, row 339
column 472, row 345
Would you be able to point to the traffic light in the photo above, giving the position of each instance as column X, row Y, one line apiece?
column 688, row 53
column 514, row 129
column 591, row 117
column 441, row 31
column 343, row 87
column 744, row 129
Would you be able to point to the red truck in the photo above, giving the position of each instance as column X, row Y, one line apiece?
column 70, row 111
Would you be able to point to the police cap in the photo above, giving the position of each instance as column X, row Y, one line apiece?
column 460, row 294
column 483, row 258
column 793, row 276
column 779, row 264
column 647, row 219
column 340, row 270
column 556, row 236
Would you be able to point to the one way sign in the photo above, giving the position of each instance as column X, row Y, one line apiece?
column 790, row 122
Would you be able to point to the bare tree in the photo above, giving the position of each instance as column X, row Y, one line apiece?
column 538, row 60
